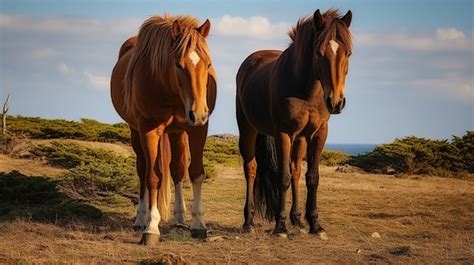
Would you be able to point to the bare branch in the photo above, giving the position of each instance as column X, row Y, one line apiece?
column 5, row 106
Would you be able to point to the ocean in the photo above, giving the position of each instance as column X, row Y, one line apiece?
column 351, row 149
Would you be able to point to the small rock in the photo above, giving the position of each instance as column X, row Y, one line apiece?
column 323, row 236
column 376, row 235
column 216, row 238
column 237, row 238
column 109, row 237
column 358, row 251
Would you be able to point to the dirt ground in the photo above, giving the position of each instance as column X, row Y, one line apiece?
column 419, row 220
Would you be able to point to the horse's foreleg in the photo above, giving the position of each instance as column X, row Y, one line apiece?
column 283, row 149
column 179, row 163
column 197, row 139
column 142, row 209
column 297, row 155
column 315, row 147
column 149, row 140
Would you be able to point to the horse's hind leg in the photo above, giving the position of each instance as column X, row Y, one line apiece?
column 197, row 139
column 297, row 155
column 179, row 162
column 247, row 138
column 140, row 221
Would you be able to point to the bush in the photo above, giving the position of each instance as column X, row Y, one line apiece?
column 86, row 129
column 415, row 155
column 92, row 171
column 334, row 158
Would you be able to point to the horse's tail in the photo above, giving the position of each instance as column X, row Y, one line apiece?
column 164, row 194
column 266, row 186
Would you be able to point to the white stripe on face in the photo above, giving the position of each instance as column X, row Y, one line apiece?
column 334, row 46
column 194, row 57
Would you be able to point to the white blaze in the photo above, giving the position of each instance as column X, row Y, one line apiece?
column 334, row 46
column 194, row 57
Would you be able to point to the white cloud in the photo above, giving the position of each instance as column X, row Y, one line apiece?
column 65, row 69
column 43, row 53
column 449, row 34
column 444, row 39
column 100, row 82
column 453, row 87
column 254, row 27
column 64, row 25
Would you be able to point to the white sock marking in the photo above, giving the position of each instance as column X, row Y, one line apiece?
column 334, row 46
column 179, row 205
column 197, row 211
column 142, row 210
column 194, row 57
column 153, row 221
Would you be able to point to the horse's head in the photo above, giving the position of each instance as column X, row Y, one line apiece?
column 192, row 69
column 332, row 49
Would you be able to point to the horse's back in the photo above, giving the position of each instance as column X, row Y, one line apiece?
column 254, row 64
column 116, row 81
column 253, row 88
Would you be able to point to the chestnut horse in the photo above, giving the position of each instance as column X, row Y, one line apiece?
column 284, row 100
column 164, row 87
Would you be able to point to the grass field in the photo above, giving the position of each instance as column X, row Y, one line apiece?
column 419, row 219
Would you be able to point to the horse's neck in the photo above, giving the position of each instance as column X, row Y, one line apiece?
column 302, row 75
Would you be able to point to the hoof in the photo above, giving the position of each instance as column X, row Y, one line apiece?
column 150, row 240
column 248, row 229
column 280, row 228
column 199, row 233
column 181, row 226
column 281, row 235
column 316, row 229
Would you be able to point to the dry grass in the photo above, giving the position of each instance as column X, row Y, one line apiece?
column 420, row 220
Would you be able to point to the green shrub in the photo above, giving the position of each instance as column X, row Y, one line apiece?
column 86, row 129
column 333, row 158
column 415, row 155
column 92, row 171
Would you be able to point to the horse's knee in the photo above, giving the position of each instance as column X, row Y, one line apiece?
column 312, row 180
column 250, row 169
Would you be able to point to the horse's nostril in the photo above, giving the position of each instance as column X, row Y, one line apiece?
column 191, row 116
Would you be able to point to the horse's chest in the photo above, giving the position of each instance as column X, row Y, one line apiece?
column 297, row 117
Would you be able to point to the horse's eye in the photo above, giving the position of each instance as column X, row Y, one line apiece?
column 349, row 54
column 209, row 66
column 178, row 65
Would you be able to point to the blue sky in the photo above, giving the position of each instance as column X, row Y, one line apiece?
column 411, row 72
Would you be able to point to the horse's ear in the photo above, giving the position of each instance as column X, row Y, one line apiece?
column 205, row 28
column 347, row 18
column 176, row 29
column 317, row 19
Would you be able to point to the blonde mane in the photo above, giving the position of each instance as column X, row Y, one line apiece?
column 156, row 46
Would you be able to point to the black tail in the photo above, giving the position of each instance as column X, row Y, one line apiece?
column 266, row 186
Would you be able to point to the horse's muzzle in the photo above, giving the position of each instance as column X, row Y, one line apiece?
column 337, row 107
column 196, row 119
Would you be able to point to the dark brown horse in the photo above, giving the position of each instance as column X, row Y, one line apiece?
column 284, row 100
column 164, row 87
